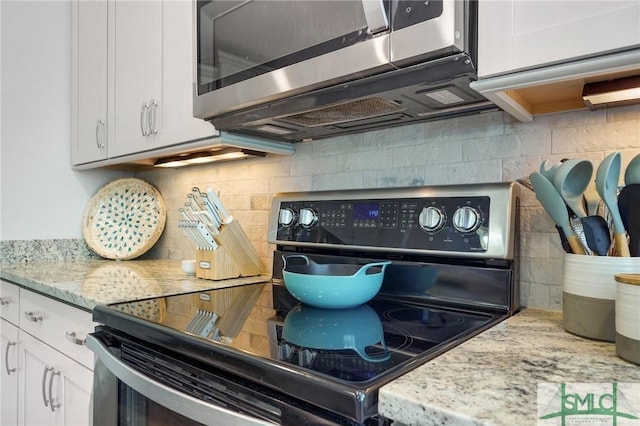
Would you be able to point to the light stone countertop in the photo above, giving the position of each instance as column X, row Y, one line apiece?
column 492, row 379
column 87, row 283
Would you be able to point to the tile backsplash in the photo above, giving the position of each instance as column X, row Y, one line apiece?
column 488, row 147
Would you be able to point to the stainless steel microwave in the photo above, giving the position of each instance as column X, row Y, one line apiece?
column 299, row 69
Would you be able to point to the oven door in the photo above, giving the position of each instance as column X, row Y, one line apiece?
column 249, row 52
column 123, row 396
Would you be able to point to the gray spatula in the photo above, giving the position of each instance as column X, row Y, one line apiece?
column 555, row 207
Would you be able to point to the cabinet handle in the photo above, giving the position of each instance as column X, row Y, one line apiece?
column 144, row 112
column 51, row 403
column 44, row 381
column 72, row 337
column 152, row 117
column 100, row 134
column 4, row 301
column 6, row 358
column 31, row 317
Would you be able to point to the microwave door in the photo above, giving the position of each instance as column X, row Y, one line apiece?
column 260, row 51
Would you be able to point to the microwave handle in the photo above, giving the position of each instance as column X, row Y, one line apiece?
column 165, row 396
column 375, row 15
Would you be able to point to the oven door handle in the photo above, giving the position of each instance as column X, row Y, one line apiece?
column 165, row 396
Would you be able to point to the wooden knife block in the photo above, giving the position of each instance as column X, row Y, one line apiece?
column 235, row 257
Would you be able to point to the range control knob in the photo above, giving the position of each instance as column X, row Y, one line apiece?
column 287, row 217
column 467, row 219
column 308, row 218
column 431, row 219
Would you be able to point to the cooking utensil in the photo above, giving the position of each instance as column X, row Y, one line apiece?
column 578, row 228
column 332, row 286
column 571, row 180
column 628, row 204
column 607, row 178
column 592, row 199
column 337, row 329
column 596, row 233
column 555, row 207
column 548, row 170
column 632, row 173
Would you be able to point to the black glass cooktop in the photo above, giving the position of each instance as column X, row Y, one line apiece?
column 349, row 345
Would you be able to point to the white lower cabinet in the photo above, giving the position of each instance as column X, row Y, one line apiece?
column 10, row 370
column 53, row 388
column 47, row 373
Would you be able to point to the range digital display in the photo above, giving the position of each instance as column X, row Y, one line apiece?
column 368, row 211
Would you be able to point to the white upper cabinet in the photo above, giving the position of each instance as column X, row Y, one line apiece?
column 138, row 76
column 89, row 71
column 535, row 56
column 520, row 34
column 132, row 91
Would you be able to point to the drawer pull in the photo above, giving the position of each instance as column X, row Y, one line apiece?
column 72, row 337
column 6, row 359
column 4, row 301
column 31, row 317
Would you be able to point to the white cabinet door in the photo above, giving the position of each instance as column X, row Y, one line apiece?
column 521, row 34
column 89, row 140
column 178, row 123
column 138, row 76
column 54, row 389
column 10, row 370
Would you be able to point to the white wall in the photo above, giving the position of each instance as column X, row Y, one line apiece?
column 40, row 196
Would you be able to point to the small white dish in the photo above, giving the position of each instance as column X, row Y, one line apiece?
column 189, row 266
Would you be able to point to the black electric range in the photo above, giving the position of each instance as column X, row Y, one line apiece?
column 257, row 350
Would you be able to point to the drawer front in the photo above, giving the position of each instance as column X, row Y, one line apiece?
column 57, row 324
column 9, row 302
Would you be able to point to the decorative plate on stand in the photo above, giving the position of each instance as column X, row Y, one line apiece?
column 124, row 219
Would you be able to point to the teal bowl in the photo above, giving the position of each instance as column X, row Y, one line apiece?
column 332, row 286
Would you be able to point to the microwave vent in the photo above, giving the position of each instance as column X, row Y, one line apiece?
column 345, row 112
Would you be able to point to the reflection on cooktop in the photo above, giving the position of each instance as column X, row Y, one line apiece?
column 362, row 343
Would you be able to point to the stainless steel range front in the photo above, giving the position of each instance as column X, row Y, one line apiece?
column 255, row 355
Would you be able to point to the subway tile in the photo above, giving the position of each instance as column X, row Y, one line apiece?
column 589, row 138
column 464, row 172
column 469, row 127
column 534, row 245
column 365, row 160
column 346, row 180
column 428, row 152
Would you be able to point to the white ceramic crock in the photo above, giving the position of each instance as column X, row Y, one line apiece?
column 589, row 294
column 628, row 317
